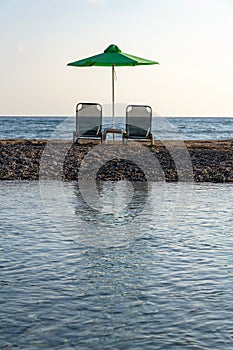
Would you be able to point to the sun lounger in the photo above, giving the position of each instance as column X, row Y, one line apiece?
column 139, row 123
column 88, row 122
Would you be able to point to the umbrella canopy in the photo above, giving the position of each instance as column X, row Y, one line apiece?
column 112, row 56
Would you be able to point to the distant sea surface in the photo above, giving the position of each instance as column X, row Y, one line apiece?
column 186, row 128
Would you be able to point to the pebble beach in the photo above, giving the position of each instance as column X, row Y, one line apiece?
column 20, row 160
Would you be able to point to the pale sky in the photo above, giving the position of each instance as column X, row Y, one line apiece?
column 191, row 39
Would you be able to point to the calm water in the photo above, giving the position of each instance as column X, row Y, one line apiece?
column 172, row 128
column 170, row 286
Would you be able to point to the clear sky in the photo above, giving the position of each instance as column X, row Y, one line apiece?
column 191, row 39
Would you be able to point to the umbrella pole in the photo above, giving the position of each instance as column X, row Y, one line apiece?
column 113, row 99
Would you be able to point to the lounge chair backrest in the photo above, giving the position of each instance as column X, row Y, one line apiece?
column 88, row 119
column 138, row 121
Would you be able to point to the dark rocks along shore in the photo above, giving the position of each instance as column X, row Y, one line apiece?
column 200, row 161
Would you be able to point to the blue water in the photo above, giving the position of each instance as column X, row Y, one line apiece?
column 170, row 286
column 191, row 128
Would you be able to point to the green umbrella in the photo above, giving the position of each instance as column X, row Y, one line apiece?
column 112, row 56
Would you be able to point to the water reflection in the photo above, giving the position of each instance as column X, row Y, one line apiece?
column 120, row 202
column 123, row 205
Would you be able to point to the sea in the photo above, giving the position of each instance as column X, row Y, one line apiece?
column 145, row 266
column 186, row 128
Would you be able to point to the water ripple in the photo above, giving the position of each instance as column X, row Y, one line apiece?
column 166, row 290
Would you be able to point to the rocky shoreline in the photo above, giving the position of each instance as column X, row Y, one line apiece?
column 199, row 161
